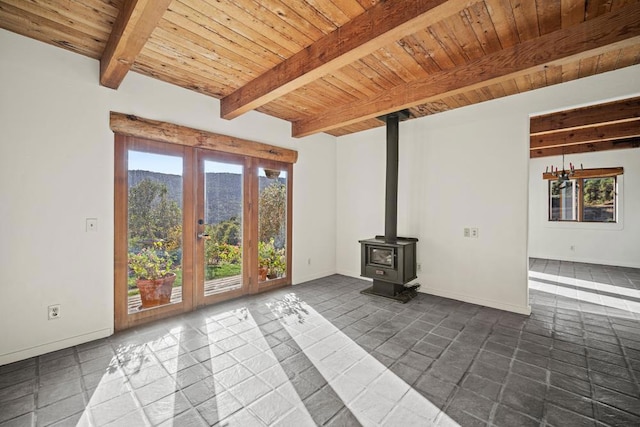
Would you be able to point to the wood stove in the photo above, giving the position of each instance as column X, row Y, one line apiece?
column 390, row 260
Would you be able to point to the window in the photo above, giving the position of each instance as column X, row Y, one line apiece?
column 592, row 199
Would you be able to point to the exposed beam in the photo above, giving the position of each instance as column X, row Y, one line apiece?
column 614, row 30
column 135, row 23
column 130, row 125
column 385, row 23
column 586, row 148
column 588, row 173
column 607, row 113
column 582, row 135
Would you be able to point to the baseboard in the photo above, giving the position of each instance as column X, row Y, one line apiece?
column 478, row 301
column 587, row 260
column 350, row 273
column 53, row 346
column 303, row 279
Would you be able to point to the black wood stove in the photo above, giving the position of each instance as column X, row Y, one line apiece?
column 390, row 260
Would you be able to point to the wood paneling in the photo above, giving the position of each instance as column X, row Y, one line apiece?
column 619, row 29
column 301, row 60
column 607, row 113
column 380, row 25
column 608, row 126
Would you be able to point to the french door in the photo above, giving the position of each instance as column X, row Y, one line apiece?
column 207, row 225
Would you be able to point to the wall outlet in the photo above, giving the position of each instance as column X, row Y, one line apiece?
column 54, row 311
column 92, row 224
column 308, row 261
column 467, row 232
column 573, row 248
column 419, row 267
column 474, row 233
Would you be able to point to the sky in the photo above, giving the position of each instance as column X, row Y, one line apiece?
column 173, row 164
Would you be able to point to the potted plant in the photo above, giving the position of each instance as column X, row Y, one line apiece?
column 154, row 276
column 271, row 261
column 263, row 260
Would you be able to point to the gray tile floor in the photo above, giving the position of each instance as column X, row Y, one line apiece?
column 323, row 354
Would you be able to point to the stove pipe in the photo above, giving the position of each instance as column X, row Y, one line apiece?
column 391, row 193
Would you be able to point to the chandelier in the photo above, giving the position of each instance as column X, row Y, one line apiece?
column 564, row 174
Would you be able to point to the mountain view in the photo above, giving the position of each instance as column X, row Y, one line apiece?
column 223, row 191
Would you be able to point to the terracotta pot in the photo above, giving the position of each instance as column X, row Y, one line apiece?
column 149, row 292
column 262, row 273
column 167, row 287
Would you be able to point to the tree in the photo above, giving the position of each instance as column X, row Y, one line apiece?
column 272, row 212
column 152, row 216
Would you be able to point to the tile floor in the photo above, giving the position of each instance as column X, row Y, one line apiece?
column 323, row 354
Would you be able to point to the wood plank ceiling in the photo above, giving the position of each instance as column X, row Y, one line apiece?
column 610, row 126
column 334, row 65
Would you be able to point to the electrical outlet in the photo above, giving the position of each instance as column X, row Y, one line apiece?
column 474, row 233
column 54, row 311
column 573, row 248
column 467, row 232
column 419, row 266
column 308, row 261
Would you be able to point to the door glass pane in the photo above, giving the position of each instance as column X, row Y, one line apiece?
column 222, row 227
column 272, row 224
column 154, row 230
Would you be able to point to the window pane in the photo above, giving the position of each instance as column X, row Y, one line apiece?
column 563, row 198
column 154, row 230
column 223, row 225
column 599, row 199
column 272, row 224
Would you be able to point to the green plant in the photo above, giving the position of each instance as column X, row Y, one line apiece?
column 151, row 263
column 153, row 216
column 271, row 257
column 272, row 206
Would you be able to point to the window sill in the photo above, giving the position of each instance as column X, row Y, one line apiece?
column 604, row 226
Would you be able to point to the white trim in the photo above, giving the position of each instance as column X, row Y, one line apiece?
column 598, row 261
column 353, row 274
column 53, row 346
column 461, row 297
column 304, row 279
column 526, row 310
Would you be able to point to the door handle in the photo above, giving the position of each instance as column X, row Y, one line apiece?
column 202, row 236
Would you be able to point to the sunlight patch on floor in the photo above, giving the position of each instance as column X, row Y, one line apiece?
column 588, row 291
column 372, row 392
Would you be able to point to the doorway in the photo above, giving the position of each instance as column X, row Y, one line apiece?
column 194, row 227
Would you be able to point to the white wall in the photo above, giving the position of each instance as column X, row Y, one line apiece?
column 464, row 168
column 56, row 169
column 612, row 244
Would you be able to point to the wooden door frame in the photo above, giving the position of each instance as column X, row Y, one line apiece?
column 122, row 318
column 166, row 138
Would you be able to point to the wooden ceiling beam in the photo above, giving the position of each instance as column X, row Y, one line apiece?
column 610, row 31
column 589, row 147
column 385, row 23
column 135, row 23
column 594, row 133
column 576, row 118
